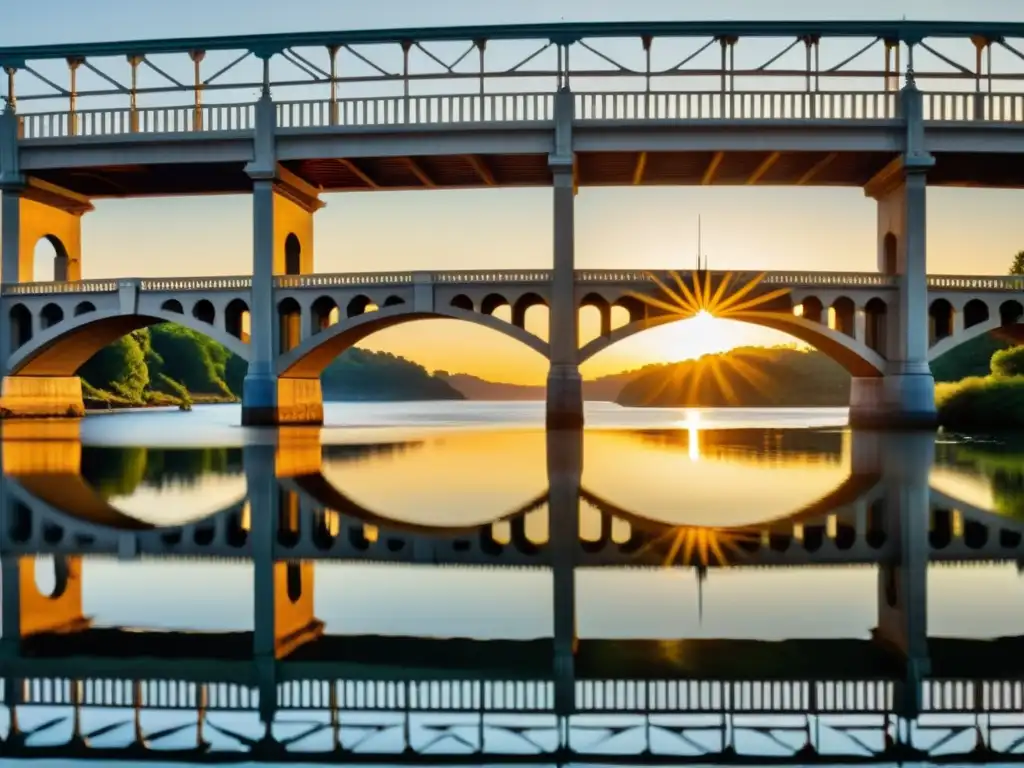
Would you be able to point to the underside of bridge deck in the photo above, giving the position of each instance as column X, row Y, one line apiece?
column 594, row 169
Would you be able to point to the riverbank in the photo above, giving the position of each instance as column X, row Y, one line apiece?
column 107, row 401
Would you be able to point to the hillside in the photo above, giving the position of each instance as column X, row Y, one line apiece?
column 746, row 376
column 605, row 388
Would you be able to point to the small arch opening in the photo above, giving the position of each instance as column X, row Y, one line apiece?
column 1010, row 312
column 393, row 301
column 50, row 260
column 173, row 305
column 811, row 309
column 292, row 255
column 530, row 312
column 875, row 325
column 51, row 575
column 843, row 316
column 492, row 302
column 293, row 579
column 21, row 325
column 324, row 312
column 84, row 308
column 237, row 319
column 51, row 315
column 360, row 305
column 975, row 312
column 940, row 320
column 594, row 318
column 204, row 312
column 890, row 254
column 634, row 308
column 462, row 301
column 289, row 324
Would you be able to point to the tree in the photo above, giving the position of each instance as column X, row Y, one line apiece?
column 1017, row 267
column 1008, row 362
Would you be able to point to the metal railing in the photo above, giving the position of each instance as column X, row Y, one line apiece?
column 485, row 108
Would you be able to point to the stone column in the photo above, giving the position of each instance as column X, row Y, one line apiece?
column 902, row 629
column 259, row 395
column 565, row 388
column 905, row 396
column 565, row 466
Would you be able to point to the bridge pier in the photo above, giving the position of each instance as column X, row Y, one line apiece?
column 26, row 611
column 283, row 208
column 41, row 397
column 905, row 396
column 565, row 467
column 564, row 407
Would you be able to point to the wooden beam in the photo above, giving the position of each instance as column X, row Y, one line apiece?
column 886, row 179
column 709, row 173
column 480, row 166
column 641, row 166
column 419, row 173
column 358, row 172
column 764, row 167
column 817, row 168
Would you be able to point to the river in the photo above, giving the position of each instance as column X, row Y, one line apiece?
column 716, row 525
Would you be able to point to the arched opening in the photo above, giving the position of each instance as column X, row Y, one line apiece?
column 84, row 308
column 875, row 329
column 975, row 312
column 1010, row 312
column 50, row 260
column 635, row 310
column 811, row 309
column 393, row 301
column 360, row 305
column 292, row 255
column 890, row 259
column 594, row 318
column 530, row 312
column 50, row 316
column 843, row 316
column 204, row 312
column 52, row 574
column 324, row 313
column 237, row 320
column 289, row 325
column 940, row 320
column 462, row 301
column 492, row 302
column 173, row 305
column 293, row 580
column 21, row 325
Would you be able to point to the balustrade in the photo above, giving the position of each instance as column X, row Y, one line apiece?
column 489, row 108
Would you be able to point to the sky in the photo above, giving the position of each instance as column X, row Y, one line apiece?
column 972, row 231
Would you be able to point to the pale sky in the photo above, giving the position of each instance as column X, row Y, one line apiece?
column 970, row 231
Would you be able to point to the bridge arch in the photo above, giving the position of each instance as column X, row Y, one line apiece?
column 1013, row 332
column 50, row 248
column 64, row 348
column 854, row 356
column 308, row 359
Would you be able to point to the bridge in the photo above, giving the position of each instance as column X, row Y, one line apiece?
column 390, row 110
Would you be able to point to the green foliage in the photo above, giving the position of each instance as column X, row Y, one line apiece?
column 1017, row 266
column 1008, row 362
column 117, row 472
column 745, row 376
column 191, row 359
column 972, row 358
column 982, row 403
column 120, row 367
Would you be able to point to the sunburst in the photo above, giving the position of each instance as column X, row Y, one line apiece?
column 729, row 299
column 691, row 545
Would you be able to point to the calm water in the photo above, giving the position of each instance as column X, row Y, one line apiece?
column 447, row 579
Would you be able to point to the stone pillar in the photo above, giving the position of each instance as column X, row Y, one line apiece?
column 905, row 396
column 565, row 388
column 902, row 629
column 283, row 208
column 565, row 467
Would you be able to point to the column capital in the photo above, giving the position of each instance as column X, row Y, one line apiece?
column 897, row 172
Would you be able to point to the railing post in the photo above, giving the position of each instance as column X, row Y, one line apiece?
column 332, row 51
column 647, row 40
column 134, row 61
column 406, row 45
column 197, row 89
column 74, row 62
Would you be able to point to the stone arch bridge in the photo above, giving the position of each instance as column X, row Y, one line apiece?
column 854, row 318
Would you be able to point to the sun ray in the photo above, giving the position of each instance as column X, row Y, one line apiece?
column 691, row 298
column 674, row 309
column 706, row 290
column 740, row 292
column 719, row 292
column 680, row 301
column 722, row 380
column 755, row 302
column 689, row 534
column 677, row 542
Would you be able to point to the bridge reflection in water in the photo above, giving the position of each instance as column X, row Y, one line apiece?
column 287, row 690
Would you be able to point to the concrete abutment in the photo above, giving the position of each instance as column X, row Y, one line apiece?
column 41, row 397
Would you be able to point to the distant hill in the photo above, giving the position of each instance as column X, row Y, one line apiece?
column 605, row 388
column 359, row 374
column 745, row 376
